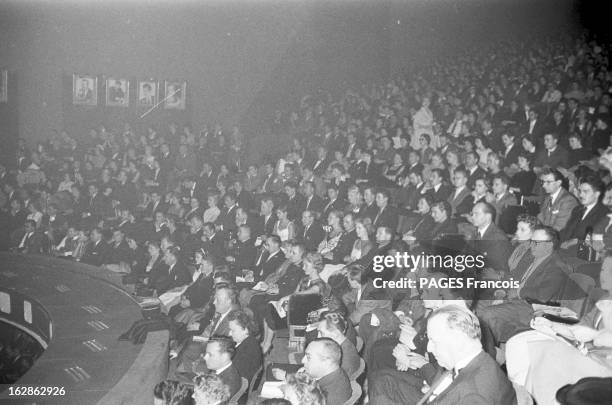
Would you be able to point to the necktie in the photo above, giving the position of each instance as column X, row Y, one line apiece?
column 214, row 323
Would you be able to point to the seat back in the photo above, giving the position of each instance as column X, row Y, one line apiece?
column 255, row 380
column 573, row 299
column 359, row 371
column 243, row 388
column 356, row 395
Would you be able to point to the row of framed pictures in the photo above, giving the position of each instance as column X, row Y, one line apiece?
column 117, row 92
column 3, row 86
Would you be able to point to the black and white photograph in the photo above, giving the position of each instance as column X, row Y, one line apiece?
column 367, row 202
column 3, row 86
column 175, row 95
column 84, row 89
column 117, row 92
column 148, row 93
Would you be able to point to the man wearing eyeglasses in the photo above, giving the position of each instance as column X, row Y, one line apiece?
column 558, row 204
column 544, row 282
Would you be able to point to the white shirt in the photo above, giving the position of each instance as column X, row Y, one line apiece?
column 222, row 369
column 554, row 196
column 588, row 209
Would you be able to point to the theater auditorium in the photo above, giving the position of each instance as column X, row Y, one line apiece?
column 206, row 202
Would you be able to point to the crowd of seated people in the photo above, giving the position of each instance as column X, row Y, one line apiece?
column 18, row 352
column 502, row 153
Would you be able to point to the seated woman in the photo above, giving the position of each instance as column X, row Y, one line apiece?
column 394, row 171
column 311, row 288
column 523, row 181
column 361, row 289
column 171, row 392
column 248, row 357
column 362, row 244
column 521, row 256
column 423, row 227
column 284, row 227
column 213, row 211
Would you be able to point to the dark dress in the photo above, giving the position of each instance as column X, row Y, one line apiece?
column 299, row 305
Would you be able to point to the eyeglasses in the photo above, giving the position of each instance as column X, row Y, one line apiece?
column 537, row 242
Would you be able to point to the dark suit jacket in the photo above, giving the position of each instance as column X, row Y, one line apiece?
column 295, row 207
column 268, row 265
column 227, row 218
column 248, row 357
column 495, row 246
column 34, row 244
column 312, row 236
column 245, row 254
column 266, row 228
column 579, row 228
column 330, row 206
column 512, row 155
column 387, row 217
column 446, row 227
column 478, row 174
column 96, row 254
column 216, row 246
column 119, row 253
column 315, row 204
column 344, row 246
column 462, row 204
column 231, row 377
column 547, row 282
column 558, row 158
column 481, row 382
column 336, row 387
column 178, row 276
column 442, row 194
column 200, row 291
column 288, row 282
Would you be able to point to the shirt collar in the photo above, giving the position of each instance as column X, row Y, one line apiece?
column 222, row 369
column 466, row 360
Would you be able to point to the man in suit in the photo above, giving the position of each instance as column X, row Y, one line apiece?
column 503, row 198
column 586, row 215
column 334, row 203
column 270, row 183
column 472, row 376
column 313, row 201
column 243, row 253
column 215, row 241
column 320, row 165
column 317, row 181
column 30, row 240
column 176, row 275
column 557, row 207
column 387, row 215
column 267, row 219
column 118, row 250
column 322, row 361
column 295, row 202
column 461, row 200
column 535, row 126
column 552, row 155
column 227, row 218
column 369, row 197
column 244, row 198
column 97, row 250
column 544, row 281
column 345, row 243
column 224, row 303
column 511, row 151
column 312, row 233
column 438, row 190
column 473, row 170
column 218, row 358
column 270, row 258
column 489, row 240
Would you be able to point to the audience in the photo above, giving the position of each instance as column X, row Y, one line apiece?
column 445, row 158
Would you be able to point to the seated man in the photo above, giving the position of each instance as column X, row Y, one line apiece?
column 557, row 207
column 30, row 240
column 544, row 281
column 322, row 362
column 96, row 251
column 225, row 303
column 218, row 358
column 461, row 200
column 490, row 241
column 524, row 351
column 209, row 389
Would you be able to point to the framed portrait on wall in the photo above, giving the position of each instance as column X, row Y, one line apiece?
column 3, row 86
column 174, row 92
column 117, row 92
column 148, row 93
column 84, row 89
